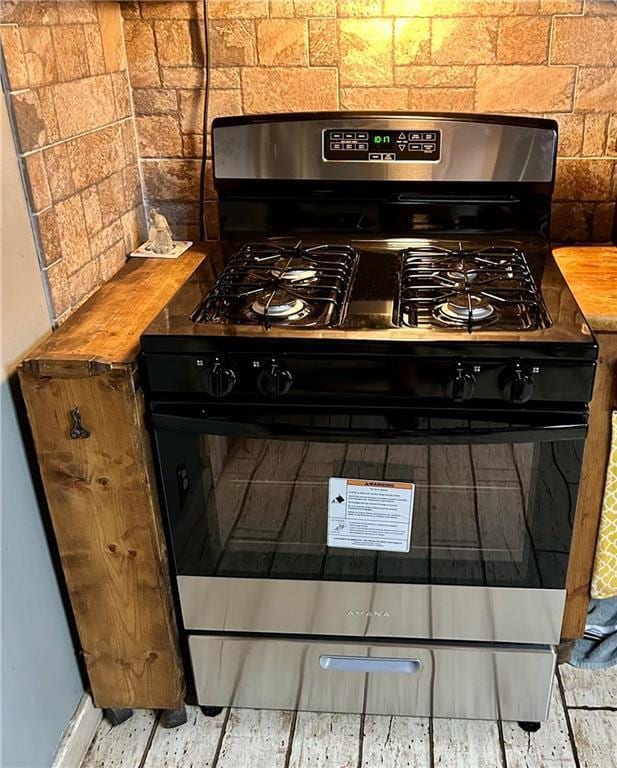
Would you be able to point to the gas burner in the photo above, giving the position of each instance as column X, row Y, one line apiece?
column 463, row 274
column 295, row 275
column 278, row 306
column 267, row 284
column 463, row 308
column 463, row 288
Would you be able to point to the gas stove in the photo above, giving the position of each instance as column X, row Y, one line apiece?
column 369, row 405
column 436, row 251
column 290, row 319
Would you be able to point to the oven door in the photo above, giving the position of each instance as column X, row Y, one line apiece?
column 247, row 495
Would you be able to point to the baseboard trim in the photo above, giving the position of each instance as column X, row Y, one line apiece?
column 78, row 735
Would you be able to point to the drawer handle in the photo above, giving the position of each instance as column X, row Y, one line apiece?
column 369, row 664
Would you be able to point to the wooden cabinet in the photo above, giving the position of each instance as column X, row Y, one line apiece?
column 591, row 491
column 591, row 272
column 86, row 410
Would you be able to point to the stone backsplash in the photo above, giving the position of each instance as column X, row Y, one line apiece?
column 537, row 57
column 87, row 78
column 65, row 71
column 166, row 61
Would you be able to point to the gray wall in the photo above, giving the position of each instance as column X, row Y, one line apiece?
column 41, row 684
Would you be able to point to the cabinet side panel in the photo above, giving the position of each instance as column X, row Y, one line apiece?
column 593, row 477
column 102, row 500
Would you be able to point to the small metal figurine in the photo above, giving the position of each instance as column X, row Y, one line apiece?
column 159, row 234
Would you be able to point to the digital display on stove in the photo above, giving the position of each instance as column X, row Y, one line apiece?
column 382, row 146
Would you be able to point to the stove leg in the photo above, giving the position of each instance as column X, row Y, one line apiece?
column 172, row 718
column 564, row 651
column 529, row 726
column 211, row 711
column 117, row 716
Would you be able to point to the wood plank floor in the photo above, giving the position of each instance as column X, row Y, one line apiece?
column 580, row 733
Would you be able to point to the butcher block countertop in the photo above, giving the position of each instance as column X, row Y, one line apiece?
column 591, row 273
column 105, row 331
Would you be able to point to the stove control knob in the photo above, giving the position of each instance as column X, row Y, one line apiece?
column 461, row 386
column 274, row 379
column 516, row 385
column 219, row 378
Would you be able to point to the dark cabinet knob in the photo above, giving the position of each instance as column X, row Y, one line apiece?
column 219, row 378
column 516, row 385
column 461, row 386
column 274, row 379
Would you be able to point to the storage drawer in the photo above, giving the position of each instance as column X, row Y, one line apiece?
column 440, row 680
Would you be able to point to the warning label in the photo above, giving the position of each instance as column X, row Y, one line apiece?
column 370, row 514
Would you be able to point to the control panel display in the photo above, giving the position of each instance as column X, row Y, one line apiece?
column 381, row 146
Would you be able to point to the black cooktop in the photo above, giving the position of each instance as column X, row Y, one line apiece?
column 438, row 291
column 455, row 287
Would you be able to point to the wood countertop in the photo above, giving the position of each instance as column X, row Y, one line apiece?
column 105, row 331
column 591, row 273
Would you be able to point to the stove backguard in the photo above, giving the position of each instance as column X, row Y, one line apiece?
column 275, row 175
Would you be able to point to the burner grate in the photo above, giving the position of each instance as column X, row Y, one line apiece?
column 269, row 284
column 468, row 289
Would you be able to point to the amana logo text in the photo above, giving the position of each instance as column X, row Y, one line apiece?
column 370, row 614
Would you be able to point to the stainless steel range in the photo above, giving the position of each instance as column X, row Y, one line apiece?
column 369, row 408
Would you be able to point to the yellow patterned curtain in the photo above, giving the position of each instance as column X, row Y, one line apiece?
column 604, row 582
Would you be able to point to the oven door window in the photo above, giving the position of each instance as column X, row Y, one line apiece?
column 484, row 514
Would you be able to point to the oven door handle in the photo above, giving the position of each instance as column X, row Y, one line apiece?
column 537, row 429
